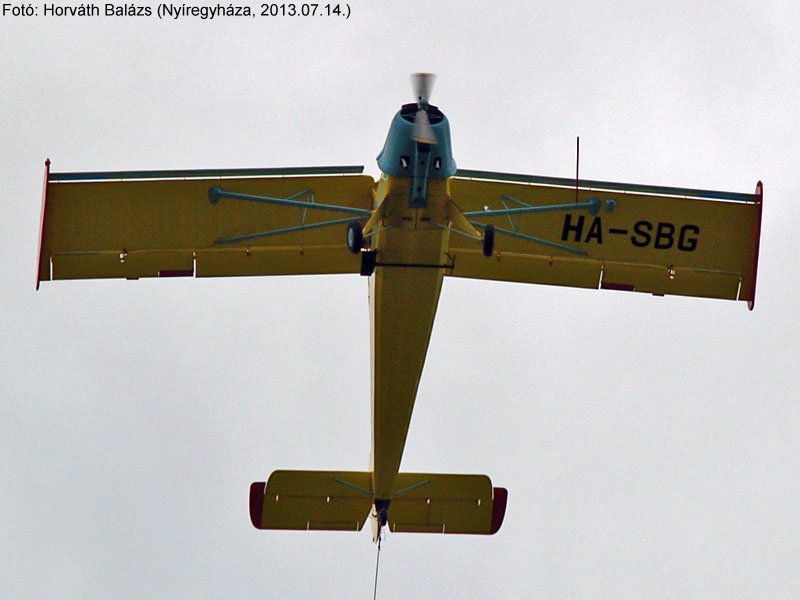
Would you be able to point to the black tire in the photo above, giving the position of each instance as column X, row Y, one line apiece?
column 488, row 241
column 355, row 237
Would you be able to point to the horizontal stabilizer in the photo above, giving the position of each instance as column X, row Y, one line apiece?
column 428, row 503
column 319, row 500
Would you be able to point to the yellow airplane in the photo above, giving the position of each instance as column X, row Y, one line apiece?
column 423, row 220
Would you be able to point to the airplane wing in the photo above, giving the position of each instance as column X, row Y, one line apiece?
column 607, row 235
column 202, row 223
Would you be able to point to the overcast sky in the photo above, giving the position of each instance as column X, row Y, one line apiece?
column 650, row 446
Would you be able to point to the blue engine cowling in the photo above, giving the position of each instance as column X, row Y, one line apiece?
column 400, row 149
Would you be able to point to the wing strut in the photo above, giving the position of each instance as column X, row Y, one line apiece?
column 465, row 223
column 216, row 193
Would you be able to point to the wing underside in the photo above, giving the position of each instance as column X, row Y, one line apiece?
column 613, row 236
column 201, row 223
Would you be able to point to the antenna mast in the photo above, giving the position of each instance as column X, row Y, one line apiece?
column 577, row 165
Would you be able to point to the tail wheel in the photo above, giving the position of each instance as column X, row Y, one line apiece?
column 355, row 237
column 382, row 512
column 488, row 241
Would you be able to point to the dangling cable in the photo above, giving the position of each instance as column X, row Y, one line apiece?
column 377, row 563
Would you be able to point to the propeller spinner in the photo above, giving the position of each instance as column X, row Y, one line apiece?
column 423, row 132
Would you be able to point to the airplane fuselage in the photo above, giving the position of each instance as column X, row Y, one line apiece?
column 404, row 293
column 411, row 241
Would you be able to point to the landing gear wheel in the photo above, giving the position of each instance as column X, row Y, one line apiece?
column 488, row 241
column 355, row 237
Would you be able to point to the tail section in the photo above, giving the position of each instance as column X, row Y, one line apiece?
column 342, row 500
column 433, row 503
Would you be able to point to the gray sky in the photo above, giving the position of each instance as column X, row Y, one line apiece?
column 650, row 445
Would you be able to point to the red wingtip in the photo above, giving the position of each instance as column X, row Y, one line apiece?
column 751, row 304
column 498, row 508
column 257, row 502
column 42, row 221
